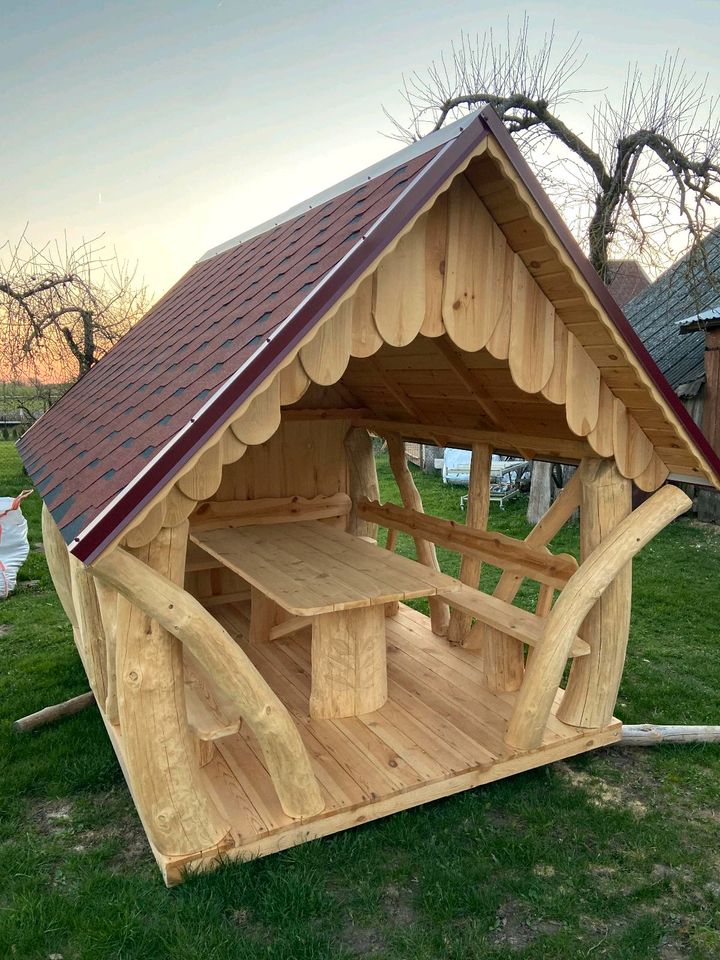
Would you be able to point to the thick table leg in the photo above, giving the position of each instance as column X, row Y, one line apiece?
column 349, row 666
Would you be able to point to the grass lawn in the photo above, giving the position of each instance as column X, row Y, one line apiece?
column 614, row 854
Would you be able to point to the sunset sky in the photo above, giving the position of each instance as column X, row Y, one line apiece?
column 170, row 127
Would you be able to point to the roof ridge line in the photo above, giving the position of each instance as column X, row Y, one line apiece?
column 416, row 149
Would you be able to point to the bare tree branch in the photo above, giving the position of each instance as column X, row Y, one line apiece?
column 648, row 168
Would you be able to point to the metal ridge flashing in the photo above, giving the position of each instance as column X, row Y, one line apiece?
column 410, row 152
column 111, row 521
column 607, row 301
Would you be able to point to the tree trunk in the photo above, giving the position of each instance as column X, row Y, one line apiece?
column 540, row 491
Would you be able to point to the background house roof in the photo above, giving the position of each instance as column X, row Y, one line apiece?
column 626, row 279
column 688, row 287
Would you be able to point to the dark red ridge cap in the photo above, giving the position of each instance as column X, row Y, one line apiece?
column 91, row 542
column 591, row 276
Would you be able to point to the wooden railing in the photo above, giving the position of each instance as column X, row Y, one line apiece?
column 502, row 551
column 585, row 588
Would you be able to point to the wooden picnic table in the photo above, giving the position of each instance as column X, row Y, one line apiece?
column 340, row 584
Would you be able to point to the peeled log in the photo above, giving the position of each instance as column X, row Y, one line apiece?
column 650, row 734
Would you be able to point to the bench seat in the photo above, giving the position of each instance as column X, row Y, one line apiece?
column 503, row 616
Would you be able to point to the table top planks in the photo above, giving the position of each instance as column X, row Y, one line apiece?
column 311, row 568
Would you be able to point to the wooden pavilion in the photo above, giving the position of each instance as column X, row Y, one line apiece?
column 211, row 508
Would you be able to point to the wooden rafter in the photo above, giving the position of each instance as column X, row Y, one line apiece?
column 472, row 384
column 396, row 390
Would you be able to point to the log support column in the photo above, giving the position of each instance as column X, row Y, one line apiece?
column 349, row 669
column 425, row 550
column 594, row 680
column 159, row 751
column 476, row 517
column 362, row 479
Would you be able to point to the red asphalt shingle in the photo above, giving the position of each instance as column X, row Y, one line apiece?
column 108, row 426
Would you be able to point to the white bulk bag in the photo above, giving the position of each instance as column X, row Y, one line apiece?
column 14, row 546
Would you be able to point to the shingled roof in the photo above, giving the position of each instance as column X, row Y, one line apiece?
column 124, row 431
column 683, row 291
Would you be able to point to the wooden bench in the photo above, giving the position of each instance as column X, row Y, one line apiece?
column 518, row 558
column 520, row 624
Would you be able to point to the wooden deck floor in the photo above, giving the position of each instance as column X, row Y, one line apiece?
column 440, row 732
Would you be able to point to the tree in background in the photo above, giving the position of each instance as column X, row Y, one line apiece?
column 62, row 308
column 646, row 168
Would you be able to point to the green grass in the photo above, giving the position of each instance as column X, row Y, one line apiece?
column 613, row 854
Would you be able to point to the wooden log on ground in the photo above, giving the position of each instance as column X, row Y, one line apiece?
column 651, row 734
column 56, row 712
column 439, row 610
column 230, row 669
column 158, row 748
column 363, row 481
column 544, row 673
column 591, row 692
column 476, row 517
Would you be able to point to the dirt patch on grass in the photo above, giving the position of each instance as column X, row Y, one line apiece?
column 398, row 911
column 64, row 820
column 5, row 629
column 601, row 792
column 516, row 930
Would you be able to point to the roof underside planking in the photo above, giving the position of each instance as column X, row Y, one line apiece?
column 115, row 441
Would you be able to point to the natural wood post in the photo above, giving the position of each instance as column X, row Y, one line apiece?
column 544, row 672
column 166, row 604
column 90, row 626
column 503, row 658
column 589, row 699
column 476, row 517
column 263, row 616
column 439, row 610
column 159, row 750
column 362, row 476
column 349, row 670
column 58, row 560
column 107, row 599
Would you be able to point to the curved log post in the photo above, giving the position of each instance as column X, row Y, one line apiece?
column 592, row 687
column 234, row 674
column 363, row 481
column 58, row 561
column 585, row 587
column 439, row 610
column 503, row 655
column 107, row 599
column 179, row 817
column 90, row 627
column 476, row 517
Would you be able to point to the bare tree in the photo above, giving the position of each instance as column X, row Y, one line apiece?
column 647, row 167
column 62, row 308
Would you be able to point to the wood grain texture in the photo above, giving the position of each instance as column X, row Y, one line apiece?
column 555, row 390
column 349, row 674
column 293, row 382
column 144, row 531
column 474, row 270
column 424, row 549
column 476, row 516
column 362, row 479
column 582, row 394
column 633, row 451
column 592, row 687
column 324, row 359
column 436, row 229
column 90, row 627
column 399, row 308
column 158, row 749
column 503, row 656
column 365, row 337
column 174, row 611
column 544, row 672
column 202, row 480
column 261, row 418
column 601, row 436
column 532, row 333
